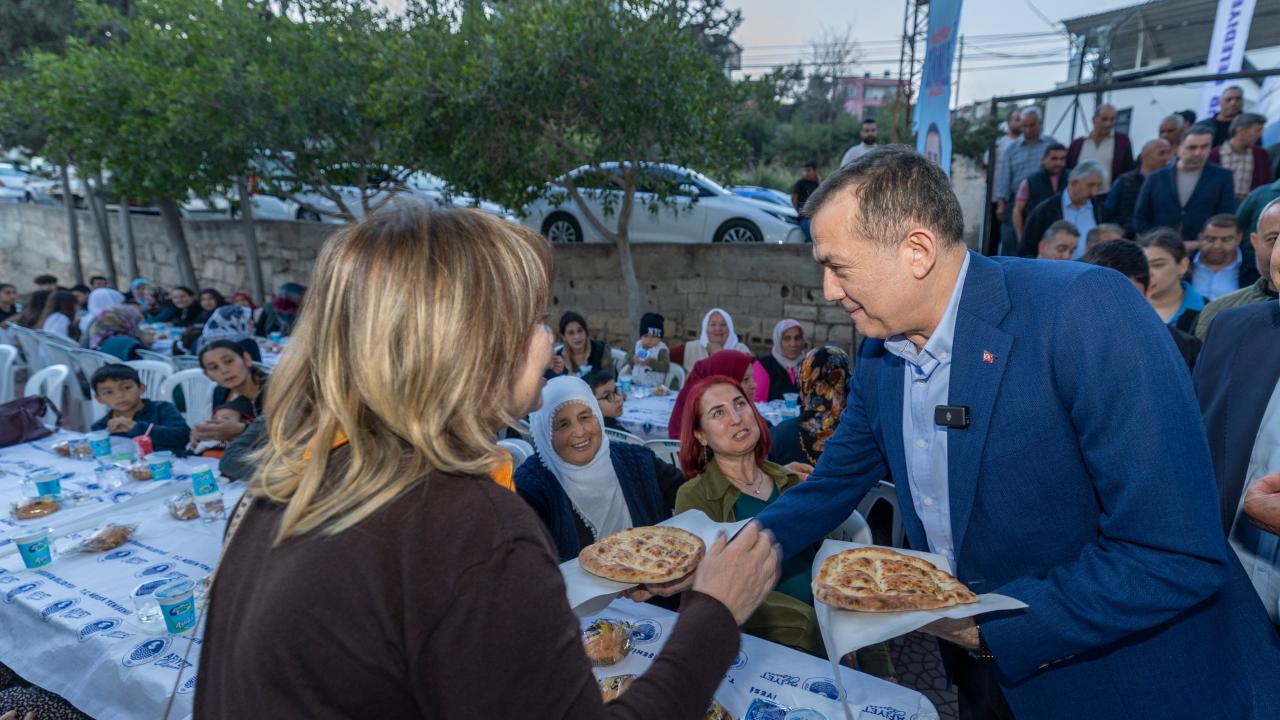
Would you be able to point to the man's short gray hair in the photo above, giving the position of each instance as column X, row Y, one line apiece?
column 1087, row 168
column 1246, row 121
column 1176, row 119
column 1061, row 226
column 1031, row 110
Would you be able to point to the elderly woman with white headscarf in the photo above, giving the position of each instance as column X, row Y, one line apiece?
column 100, row 301
column 775, row 373
column 717, row 334
column 582, row 485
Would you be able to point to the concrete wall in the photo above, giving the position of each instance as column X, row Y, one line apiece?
column 34, row 240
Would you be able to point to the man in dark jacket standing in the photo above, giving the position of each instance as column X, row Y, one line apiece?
column 1112, row 149
column 1039, row 185
column 1077, row 203
column 1123, row 197
column 1186, row 195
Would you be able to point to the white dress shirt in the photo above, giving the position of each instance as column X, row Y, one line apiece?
column 1259, row 550
column 1103, row 152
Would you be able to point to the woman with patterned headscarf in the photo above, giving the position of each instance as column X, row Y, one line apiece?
column 234, row 323
column 283, row 311
column 823, row 380
column 116, row 331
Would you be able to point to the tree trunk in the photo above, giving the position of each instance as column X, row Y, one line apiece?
column 104, row 228
column 178, row 239
column 73, row 228
column 256, row 287
column 130, row 245
column 623, row 243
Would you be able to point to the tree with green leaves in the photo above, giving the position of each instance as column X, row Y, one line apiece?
column 543, row 87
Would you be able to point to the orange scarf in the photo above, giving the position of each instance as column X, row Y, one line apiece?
column 503, row 473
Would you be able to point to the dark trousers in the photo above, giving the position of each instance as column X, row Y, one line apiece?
column 977, row 685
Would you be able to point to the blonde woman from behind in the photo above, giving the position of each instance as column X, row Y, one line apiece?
column 380, row 570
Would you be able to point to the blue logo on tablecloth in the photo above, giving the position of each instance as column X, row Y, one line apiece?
column 115, row 555
column 187, row 686
column 153, row 570
column 57, row 607
column 120, row 497
column 826, row 687
column 740, row 661
column 25, row 587
column 98, row 626
column 146, row 652
column 884, row 712
column 148, row 588
column 173, row 661
column 804, row 714
column 645, row 631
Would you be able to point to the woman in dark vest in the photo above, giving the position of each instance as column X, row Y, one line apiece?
column 775, row 373
column 581, row 485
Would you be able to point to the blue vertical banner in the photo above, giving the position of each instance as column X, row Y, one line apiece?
column 1226, row 49
column 933, row 106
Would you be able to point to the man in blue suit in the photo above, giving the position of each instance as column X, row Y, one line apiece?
column 1080, row 482
column 1185, row 196
column 1238, row 383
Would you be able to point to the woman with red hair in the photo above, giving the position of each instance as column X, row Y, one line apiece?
column 729, row 363
column 723, row 445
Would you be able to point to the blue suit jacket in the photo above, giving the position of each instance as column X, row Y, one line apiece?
column 1083, row 487
column 1234, row 377
column 1158, row 201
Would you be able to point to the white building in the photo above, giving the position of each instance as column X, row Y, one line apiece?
column 1162, row 39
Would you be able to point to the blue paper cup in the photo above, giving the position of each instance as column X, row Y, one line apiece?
column 177, row 604
column 791, row 400
column 161, row 464
column 100, row 443
column 33, row 546
column 48, row 483
column 624, row 384
column 276, row 336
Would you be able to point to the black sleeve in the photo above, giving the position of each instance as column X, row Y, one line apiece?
column 235, row 462
column 669, row 481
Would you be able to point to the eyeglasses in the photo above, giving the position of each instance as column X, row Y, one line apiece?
column 612, row 396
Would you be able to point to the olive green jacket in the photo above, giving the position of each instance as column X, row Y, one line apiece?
column 782, row 618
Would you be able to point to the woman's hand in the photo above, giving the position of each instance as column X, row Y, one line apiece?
column 557, row 364
column 801, row 469
column 740, row 574
column 214, row 430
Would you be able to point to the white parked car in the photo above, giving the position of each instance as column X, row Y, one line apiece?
column 436, row 190
column 13, row 184
column 700, row 211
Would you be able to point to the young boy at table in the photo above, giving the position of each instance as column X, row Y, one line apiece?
column 230, row 412
column 650, row 352
column 608, row 396
column 120, row 389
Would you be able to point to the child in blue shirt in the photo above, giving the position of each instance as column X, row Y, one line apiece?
column 120, row 388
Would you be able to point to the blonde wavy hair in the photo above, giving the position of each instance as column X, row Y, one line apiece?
column 409, row 343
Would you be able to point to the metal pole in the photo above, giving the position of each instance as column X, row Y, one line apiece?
column 988, row 246
column 959, row 70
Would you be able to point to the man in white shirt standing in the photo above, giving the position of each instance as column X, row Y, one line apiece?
column 867, row 135
column 1111, row 149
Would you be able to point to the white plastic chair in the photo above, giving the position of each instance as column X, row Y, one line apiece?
column 8, row 356
column 197, row 392
column 49, row 382
column 88, row 362
column 677, row 374
column 667, row 451
column 522, row 427
column 48, row 337
column 153, row 375
column 623, row 436
column 884, row 492
column 185, row 362
column 854, row 529
column 29, row 343
column 154, row 356
column 519, row 449
column 619, row 357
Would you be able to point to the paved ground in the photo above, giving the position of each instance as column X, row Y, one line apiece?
column 919, row 667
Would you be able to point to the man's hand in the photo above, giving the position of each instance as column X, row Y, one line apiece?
column 1002, row 209
column 119, row 425
column 962, row 632
column 1262, row 503
column 804, row 470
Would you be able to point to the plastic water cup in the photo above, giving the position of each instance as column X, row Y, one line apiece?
column 203, row 481
column 161, row 464
column 624, row 383
column 100, row 443
column 276, row 336
column 177, row 604
column 47, row 482
column 791, row 400
column 144, row 602
column 34, row 547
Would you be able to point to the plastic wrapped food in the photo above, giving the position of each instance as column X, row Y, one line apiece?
column 183, row 507
column 62, row 448
column 108, row 538
column 716, row 711
column 607, row 642
column 35, row 507
column 612, row 687
column 140, row 471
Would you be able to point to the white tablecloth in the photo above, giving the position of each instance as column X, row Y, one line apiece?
column 69, row 627
column 647, row 417
column 770, row 674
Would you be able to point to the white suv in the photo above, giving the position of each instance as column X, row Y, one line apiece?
column 699, row 211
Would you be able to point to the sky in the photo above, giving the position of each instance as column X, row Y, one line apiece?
column 877, row 26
